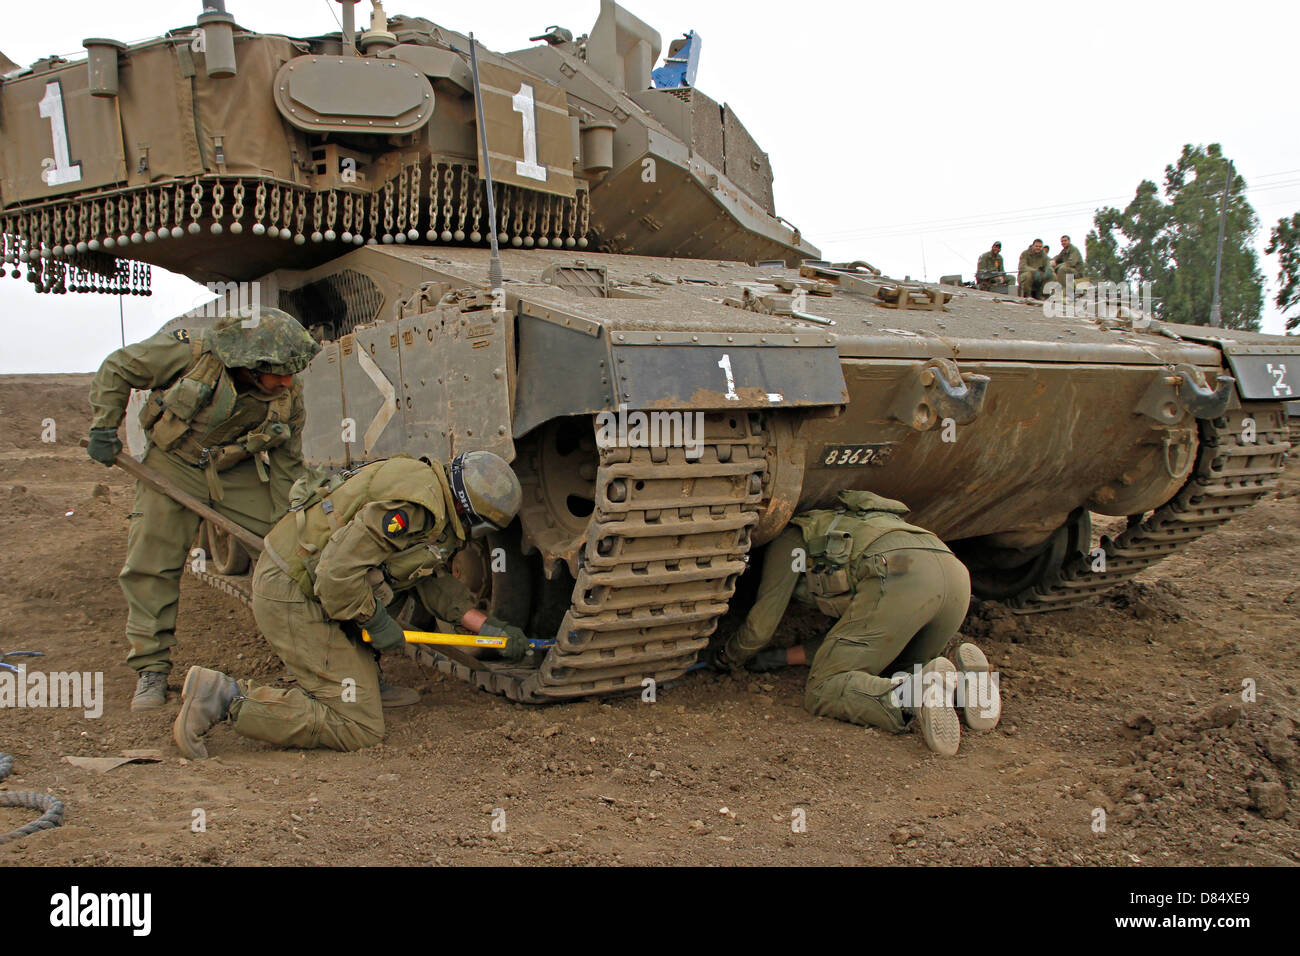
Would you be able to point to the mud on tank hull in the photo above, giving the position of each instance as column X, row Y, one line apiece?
column 1002, row 428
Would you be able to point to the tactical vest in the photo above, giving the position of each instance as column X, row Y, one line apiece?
column 320, row 508
column 842, row 542
column 186, row 419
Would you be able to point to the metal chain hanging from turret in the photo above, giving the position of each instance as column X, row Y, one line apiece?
column 447, row 196
column 477, row 234
column 413, row 203
column 237, row 208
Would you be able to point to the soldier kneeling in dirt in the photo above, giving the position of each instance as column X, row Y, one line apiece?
column 330, row 568
column 900, row 596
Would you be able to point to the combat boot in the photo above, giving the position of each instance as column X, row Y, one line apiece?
column 205, row 702
column 150, row 691
column 392, row 696
column 981, row 699
column 935, row 716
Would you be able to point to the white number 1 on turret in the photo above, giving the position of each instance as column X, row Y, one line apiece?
column 526, row 106
column 60, row 169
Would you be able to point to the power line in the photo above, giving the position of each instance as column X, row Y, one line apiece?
column 1061, row 209
column 992, row 221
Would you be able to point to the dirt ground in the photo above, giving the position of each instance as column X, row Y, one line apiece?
column 1133, row 706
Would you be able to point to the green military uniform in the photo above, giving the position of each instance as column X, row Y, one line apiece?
column 899, row 595
column 1068, row 262
column 232, row 446
column 989, row 271
column 318, row 575
column 1035, row 272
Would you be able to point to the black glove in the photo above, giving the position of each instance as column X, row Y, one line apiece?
column 715, row 658
column 385, row 633
column 516, row 640
column 767, row 660
column 104, row 445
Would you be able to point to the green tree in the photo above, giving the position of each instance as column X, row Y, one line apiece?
column 1169, row 237
column 1284, row 241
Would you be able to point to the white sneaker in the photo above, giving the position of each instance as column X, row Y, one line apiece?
column 982, row 709
column 938, row 722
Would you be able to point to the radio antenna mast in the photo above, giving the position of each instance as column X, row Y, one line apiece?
column 496, row 276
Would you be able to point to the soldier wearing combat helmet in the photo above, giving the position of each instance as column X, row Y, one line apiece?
column 224, row 422
column 351, row 548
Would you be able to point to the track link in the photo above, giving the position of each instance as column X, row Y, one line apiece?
column 668, row 540
column 1229, row 477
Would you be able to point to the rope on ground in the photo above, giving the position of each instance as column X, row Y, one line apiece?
column 51, row 807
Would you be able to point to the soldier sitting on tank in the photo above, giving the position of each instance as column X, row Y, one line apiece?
column 899, row 595
column 331, row 568
column 1035, row 271
column 991, row 270
column 224, row 423
column 1067, row 262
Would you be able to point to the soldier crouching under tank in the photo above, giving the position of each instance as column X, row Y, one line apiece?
column 900, row 596
column 330, row 568
column 224, row 423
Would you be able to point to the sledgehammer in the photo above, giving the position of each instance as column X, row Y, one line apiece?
column 458, row 640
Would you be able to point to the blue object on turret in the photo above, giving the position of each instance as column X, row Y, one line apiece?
column 680, row 65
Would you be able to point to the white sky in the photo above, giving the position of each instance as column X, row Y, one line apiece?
column 910, row 135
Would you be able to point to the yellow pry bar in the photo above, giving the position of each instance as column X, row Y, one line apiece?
column 448, row 640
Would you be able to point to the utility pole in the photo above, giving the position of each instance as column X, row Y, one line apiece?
column 1216, row 309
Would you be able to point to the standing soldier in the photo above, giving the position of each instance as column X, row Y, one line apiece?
column 991, row 270
column 1069, row 261
column 900, row 596
column 1035, row 271
column 330, row 568
column 224, row 423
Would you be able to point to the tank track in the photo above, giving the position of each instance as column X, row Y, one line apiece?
column 668, row 540
column 658, row 569
column 1227, row 478
column 240, row 588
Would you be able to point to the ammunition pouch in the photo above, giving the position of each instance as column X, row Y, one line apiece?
column 166, row 416
column 168, row 430
column 829, row 583
column 172, row 419
column 830, row 589
column 152, row 411
column 191, row 393
column 271, row 436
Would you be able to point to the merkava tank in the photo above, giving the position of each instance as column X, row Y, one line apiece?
column 670, row 367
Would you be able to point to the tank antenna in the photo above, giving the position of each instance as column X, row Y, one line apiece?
column 496, row 276
column 349, row 27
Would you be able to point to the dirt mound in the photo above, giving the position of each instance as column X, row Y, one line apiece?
column 29, row 404
column 1141, row 601
column 1238, row 760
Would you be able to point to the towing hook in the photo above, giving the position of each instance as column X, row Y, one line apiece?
column 1182, row 390
column 1201, row 400
column 939, row 391
column 961, row 403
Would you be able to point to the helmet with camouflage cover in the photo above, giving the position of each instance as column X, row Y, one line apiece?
column 486, row 490
column 262, row 340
